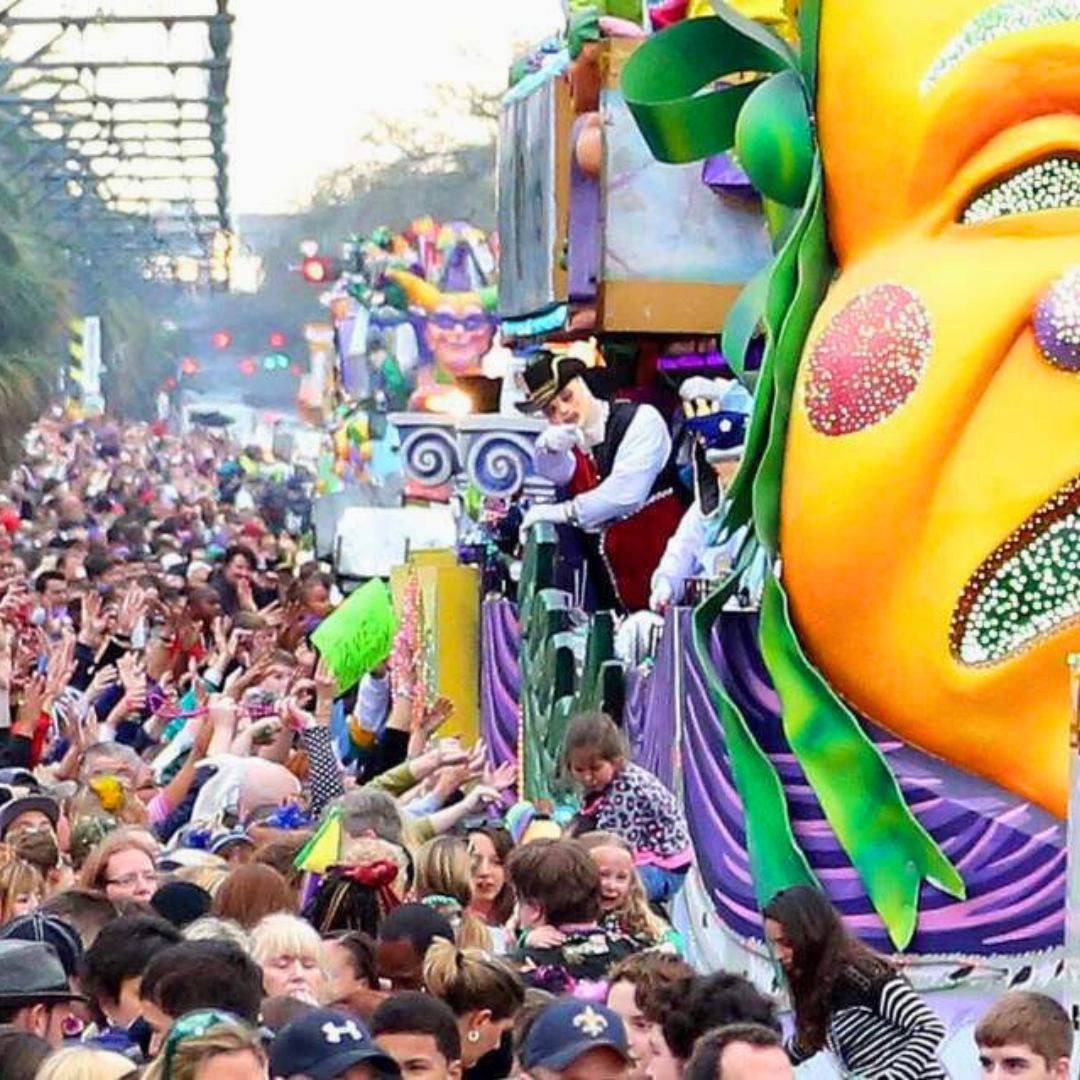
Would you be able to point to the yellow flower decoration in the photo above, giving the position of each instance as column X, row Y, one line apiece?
column 110, row 792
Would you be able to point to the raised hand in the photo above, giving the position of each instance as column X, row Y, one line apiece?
column 501, row 778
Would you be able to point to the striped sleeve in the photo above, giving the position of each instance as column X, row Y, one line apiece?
column 924, row 1031
column 795, row 1052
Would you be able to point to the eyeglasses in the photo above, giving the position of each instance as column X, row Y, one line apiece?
column 127, row 880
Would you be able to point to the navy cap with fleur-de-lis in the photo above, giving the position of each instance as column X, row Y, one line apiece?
column 566, row 1030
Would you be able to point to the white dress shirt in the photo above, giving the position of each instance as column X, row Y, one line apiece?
column 639, row 460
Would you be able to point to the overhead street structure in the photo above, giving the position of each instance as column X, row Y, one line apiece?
column 112, row 119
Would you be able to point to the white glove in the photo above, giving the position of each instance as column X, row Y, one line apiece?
column 663, row 592
column 557, row 513
column 558, row 439
column 701, row 388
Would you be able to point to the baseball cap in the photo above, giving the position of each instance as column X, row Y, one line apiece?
column 323, row 1044
column 567, row 1029
column 49, row 930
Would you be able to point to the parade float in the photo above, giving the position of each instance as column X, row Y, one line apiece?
column 893, row 724
column 884, row 711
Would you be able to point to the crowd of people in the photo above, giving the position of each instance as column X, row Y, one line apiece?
column 172, row 747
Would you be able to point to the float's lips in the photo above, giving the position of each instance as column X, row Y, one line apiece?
column 1028, row 589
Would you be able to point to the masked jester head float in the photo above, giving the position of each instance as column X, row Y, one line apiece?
column 913, row 462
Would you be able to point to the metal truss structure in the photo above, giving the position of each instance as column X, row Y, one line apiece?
column 112, row 121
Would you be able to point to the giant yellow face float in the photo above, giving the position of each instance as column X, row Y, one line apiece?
column 930, row 525
column 913, row 465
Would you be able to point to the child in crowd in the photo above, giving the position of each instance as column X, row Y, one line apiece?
column 622, row 798
column 564, row 947
column 622, row 896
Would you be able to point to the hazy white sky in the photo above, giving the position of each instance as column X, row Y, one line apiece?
column 306, row 74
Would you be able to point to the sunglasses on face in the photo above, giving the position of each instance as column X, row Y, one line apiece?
column 444, row 320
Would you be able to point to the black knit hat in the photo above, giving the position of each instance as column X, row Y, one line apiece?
column 181, row 902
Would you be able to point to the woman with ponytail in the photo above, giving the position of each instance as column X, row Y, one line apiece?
column 485, row 994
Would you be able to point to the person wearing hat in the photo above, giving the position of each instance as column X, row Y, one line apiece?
column 575, row 1040
column 328, row 1045
column 28, row 812
column 35, row 994
column 49, row 930
column 718, row 416
column 613, row 462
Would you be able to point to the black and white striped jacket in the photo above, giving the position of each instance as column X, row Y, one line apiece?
column 880, row 1029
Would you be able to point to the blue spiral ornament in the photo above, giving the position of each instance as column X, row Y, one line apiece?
column 430, row 456
column 499, row 463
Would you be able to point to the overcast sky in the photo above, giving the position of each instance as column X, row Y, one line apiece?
column 306, row 74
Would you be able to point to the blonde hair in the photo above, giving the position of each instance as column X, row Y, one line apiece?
column 211, row 928
column 84, row 1063
column 285, row 935
column 208, row 876
column 635, row 916
column 193, row 1052
column 469, row 979
column 96, row 867
column 444, row 869
column 17, row 877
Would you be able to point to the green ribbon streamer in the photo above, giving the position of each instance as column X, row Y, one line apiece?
column 662, row 82
column 776, row 860
column 856, row 788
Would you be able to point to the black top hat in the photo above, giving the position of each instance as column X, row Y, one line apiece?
column 31, row 972
column 546, row 375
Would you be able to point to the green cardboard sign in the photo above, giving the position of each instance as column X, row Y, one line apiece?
column 358, row 635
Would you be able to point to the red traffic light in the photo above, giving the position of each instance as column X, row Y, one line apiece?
column 278, row 340
column 222, row 339
column 317, row 269
column 189, row 366
column 170, row 383
column 297, row 370
column 248, row 366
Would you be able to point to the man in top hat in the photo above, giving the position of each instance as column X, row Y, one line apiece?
column 613, row 461
column 718, row 415
column 573, row 1040
column 34, row 992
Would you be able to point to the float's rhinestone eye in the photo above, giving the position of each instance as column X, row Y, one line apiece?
column 1057, row 322
column 869, row 360
column 1050, row 184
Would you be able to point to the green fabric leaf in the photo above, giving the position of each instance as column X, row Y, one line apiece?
column 858, row 792
column 663, row 80
column 776, row 860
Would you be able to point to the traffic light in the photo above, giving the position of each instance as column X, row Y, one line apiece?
column 278, row 340
column 222, row 339
column 248, row 366
column 275, row 362
column 189, row 366
column 319, row 270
